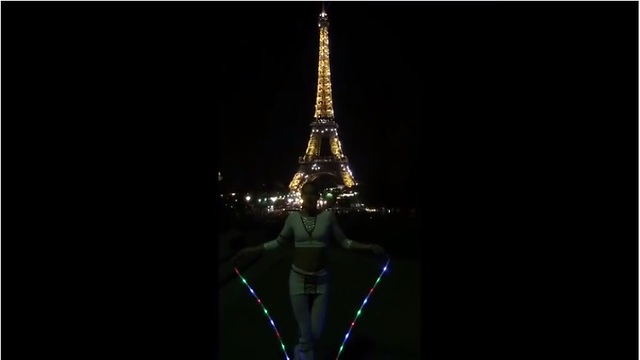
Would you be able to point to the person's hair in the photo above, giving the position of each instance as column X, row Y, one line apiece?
column 311, row 183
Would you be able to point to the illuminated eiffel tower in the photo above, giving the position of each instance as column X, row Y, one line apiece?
column 323, row 127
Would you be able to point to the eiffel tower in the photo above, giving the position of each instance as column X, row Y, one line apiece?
column 323, row 127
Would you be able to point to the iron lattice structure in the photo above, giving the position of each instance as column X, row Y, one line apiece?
column 323, row 127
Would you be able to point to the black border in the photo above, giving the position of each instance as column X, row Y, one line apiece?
column 112, row 177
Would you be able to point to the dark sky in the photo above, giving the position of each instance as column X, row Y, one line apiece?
column 476, row 88
column 514, row 123
column 456, row 92
column 264, row 113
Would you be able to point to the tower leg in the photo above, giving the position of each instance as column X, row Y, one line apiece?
column 347, row 179
column 313, row 147
column 294, row 185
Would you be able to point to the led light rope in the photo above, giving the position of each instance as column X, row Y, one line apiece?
column 264, row 309
column 273, row 324
column 353, row 323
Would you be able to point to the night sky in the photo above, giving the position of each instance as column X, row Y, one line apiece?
column 427, row 95
column 264, row 114
column 511, row 126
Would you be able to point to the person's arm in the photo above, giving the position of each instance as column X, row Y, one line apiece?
column 339, row 236
column 284, row 238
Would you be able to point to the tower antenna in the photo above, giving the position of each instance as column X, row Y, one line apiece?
column 325, row 6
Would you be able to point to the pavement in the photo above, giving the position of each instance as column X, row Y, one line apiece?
column 228, row 244
column 388, row 329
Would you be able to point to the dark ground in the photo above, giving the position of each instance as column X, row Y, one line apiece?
column 389, row 327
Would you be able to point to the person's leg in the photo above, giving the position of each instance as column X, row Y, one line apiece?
column 300, row 304
column 318, row 313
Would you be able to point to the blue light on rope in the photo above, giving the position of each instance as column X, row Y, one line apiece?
column 366, row 299
column 264, row 309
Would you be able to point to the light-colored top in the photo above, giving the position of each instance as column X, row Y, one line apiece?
column 312, row 231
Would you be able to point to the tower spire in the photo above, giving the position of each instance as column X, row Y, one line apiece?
column 324, row 100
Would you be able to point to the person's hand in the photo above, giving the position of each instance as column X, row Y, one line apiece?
column 377, row 249
column 245, row 253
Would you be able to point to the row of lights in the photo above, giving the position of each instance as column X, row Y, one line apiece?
column 333, row 130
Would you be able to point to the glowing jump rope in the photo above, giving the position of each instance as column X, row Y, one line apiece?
column 353, row 323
